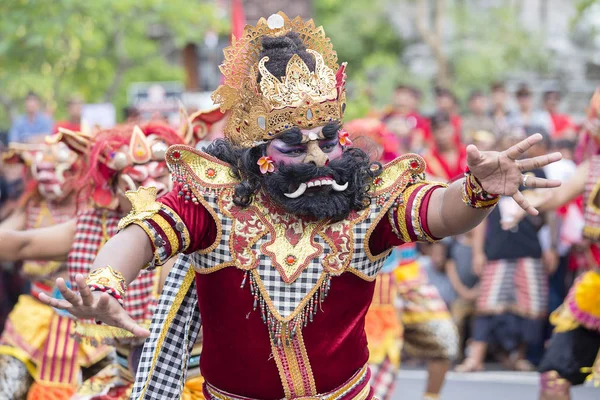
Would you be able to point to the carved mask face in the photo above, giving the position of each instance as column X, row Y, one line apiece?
column 51, row 167
column 312, row 175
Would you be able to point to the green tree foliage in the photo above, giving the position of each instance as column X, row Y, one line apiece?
column 92, row 47
column 364, row 37
column 489, row 44
column 481, row 43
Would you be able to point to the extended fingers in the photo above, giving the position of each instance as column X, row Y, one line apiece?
column 538, row 162
column 67, row 293
column 85, row 292
column 514, row 152
column 52, row 302
column 533, row 182
column 524, row 204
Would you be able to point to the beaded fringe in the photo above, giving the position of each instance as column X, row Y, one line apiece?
column 279, row 329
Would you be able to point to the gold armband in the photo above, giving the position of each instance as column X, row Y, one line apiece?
column 109, row 281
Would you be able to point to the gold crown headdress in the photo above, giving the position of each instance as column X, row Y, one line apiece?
column 305, row 99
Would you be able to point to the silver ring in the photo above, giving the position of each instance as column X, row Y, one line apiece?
column 525, row 177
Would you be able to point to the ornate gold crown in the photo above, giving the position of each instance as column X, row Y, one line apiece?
column 259, row 111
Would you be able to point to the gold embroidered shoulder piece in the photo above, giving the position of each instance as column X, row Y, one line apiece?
column 396, row 176
column 194, row 167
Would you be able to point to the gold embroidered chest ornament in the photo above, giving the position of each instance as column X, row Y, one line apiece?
column 304, row 99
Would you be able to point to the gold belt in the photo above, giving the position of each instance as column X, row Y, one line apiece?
column 360, row 378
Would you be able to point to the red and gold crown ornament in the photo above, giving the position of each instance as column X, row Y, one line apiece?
column 301, row 98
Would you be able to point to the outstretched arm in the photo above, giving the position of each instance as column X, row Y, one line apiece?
column 498, row 173
column 16, row 220
column 52, row 243
column 154, row 233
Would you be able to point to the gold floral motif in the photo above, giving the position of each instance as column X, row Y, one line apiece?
column 396, row 176
column 197, row 164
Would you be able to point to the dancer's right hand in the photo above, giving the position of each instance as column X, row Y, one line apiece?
column 93, row 305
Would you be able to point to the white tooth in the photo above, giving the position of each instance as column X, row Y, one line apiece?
column 339, row 188
column 299, row 192
column 57, row 190
column 311, row 184
column 326, row 182
column 317, row 183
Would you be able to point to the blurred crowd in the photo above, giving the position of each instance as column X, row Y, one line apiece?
column 499, row 285
column 507, row 318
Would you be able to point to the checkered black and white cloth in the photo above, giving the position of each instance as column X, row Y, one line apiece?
column 166, row 379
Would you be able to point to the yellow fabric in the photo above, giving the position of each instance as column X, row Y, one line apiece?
column 33, row 329
column 563, row 320
column 33, row 332
column 407, row 272
column 193, row 389
column 587, row 293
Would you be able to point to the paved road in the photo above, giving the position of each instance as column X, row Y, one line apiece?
column 482, row 386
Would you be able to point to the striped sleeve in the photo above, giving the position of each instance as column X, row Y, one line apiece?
column 167, row 232
column 408, row 217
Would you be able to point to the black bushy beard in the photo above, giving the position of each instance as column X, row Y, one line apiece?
column 323, row 202
column 354, row 167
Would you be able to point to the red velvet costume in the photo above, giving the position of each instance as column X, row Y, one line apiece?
column 332, row 346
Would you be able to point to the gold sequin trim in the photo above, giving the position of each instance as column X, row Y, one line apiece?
column 169, row 233
column 151, row 234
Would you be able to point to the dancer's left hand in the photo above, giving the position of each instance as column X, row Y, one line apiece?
column 502, row 172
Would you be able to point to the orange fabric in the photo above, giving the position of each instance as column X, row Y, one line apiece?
column 41, row 391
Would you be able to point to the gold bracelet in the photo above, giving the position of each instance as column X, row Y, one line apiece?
column 106, row 278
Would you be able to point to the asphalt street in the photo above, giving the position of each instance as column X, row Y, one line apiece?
column 494, row 385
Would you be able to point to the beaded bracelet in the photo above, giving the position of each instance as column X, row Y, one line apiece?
column 475, row 196
column 109, row 281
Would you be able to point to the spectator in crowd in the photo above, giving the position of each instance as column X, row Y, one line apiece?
column 465, row 283
column 445, row 160
column 527, row 115
column 33, row 125
column 477, row 119
column 566, row 147
column 499, row 111
column 435, row 262
column 446, row 102
column 132, row 115
column 73, row 123
column 404, row 121
column 562, row 126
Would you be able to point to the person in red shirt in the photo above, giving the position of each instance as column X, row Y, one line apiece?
column 445, row 160
column 562, row 125
column 73, row 123
column 446, row 102
column 404, row 120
